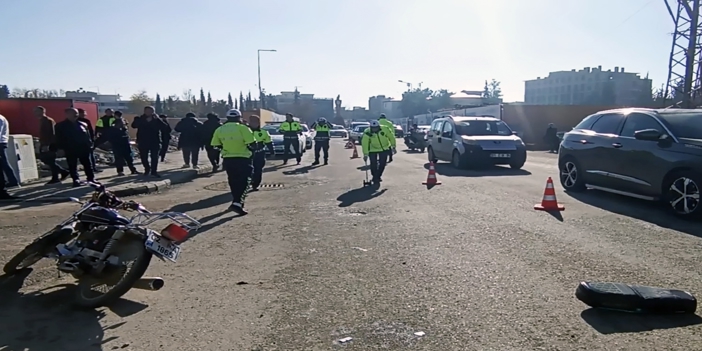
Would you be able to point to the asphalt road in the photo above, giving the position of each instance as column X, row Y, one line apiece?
column 469, row 263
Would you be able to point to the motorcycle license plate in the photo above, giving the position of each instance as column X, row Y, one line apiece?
column 162, row 247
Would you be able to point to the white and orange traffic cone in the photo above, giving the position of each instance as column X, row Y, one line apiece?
column 549, row 202
column 431, row 176
column 355, row 152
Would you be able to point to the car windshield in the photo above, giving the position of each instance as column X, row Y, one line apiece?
column 684, row 125
column 272, row 129
column 338, row 127
column 360, row 129
column 479, row 127
column 304, row 128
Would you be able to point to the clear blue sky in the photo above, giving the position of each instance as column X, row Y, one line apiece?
column 355, row 48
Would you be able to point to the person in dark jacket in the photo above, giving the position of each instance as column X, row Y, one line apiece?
column 47, row 145
column 208, row 130
column 75, row 138
column 167, row 142
column 151, row 134
column 190, row 139
column 551, row 138
column 118, row 136
column 83, row 117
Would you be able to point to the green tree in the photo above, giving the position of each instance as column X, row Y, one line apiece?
column 486, row 91
column 416, row 102
column 495, row 89
column 229, row 100
column 236, row 104
column 158, row 105
column 242, row 103
column 209, row 101
column 249, row 102
column 138, row 101
column 220, row 107
column 4, row 92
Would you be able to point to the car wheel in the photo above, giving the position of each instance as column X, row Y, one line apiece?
column 681, row 194
column 430, row 155
column 517, row 164
column 457, row 162
column 570, row 176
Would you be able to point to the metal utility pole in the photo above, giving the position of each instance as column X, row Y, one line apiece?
column 260, row 90
column 683, row 86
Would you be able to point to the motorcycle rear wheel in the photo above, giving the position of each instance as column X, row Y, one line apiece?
column 131, row 248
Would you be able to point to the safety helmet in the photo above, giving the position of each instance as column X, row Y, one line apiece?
column 382, row 115
column 374, row 124
column 322, row 120
column 233, row 113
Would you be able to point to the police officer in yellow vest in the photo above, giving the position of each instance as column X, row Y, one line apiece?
column 105, row 122
column 321, row 139
column 258, row 160
column 237, row 143
column 390, row 131
column 291, row 131
column 375, row 144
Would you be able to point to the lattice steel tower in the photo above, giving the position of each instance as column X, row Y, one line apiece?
column 683, row 86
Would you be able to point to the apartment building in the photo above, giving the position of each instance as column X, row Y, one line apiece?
column 589, row 86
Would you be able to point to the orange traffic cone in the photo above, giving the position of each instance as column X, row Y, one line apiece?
column 431, row 176
column 355, row 152
column 549, row 202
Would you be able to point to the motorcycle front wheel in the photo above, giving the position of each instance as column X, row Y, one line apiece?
column 23, row 260
column 118, row 280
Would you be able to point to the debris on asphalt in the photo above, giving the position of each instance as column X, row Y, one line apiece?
column 242, row 283
column 345, row 340
column 359, row 248
column 419, row 333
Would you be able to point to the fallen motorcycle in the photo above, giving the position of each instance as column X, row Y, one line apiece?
column 101, row 248
column 416, row 143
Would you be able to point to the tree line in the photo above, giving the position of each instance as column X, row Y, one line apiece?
column 420, row 100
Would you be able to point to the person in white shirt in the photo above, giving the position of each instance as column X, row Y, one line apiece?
column 4, row 139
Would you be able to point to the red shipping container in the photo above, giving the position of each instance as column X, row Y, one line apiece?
column 19, row 112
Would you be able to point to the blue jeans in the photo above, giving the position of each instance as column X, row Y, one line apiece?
column 5, row 168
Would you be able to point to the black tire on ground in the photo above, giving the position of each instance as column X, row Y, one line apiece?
column 10, row 267
column 421, row 149
column 457, row 162
column 570, row 176
column 676, row 180
column 517, row 164
column 126, row 283
column 430, row 155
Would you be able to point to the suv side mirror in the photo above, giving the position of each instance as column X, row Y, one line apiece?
column 514, row 133
column 648, row 134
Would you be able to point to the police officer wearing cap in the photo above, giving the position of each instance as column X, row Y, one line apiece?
column 389, row 129
column 291, row 131
column 375, row 144
column 263, row 142
column 237, row 143
column 321, row 139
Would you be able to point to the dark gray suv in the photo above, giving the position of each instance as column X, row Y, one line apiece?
column 642, row 153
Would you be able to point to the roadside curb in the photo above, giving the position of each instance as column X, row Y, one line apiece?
column 139, row 189
column 162, row 185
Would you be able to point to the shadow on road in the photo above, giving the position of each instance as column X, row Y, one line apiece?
column 363, row 168
column 46, row 320
column 300, row 170
column 613, row 322
column 359, row 195
column 650, row 212
column 207, row 222
column 447, row 170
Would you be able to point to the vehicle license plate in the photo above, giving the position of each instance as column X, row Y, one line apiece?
column 162, row 247
column 500, row 155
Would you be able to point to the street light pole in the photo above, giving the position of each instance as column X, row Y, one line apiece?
column 260, row 90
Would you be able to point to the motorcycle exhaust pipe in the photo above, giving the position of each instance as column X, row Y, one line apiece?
column 149, row 283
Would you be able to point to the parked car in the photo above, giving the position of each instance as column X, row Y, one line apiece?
column 338, row 131
column 308, row 134
column 642, row 153
column 277, row 138
column 357, row 133
column 356, row 124
column 475, row 141
column 399, row 132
